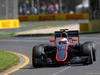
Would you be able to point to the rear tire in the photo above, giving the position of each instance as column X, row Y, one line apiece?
column 36, row 54
column 93, row 49
column 87, row 51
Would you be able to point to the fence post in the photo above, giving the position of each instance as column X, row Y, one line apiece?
column 38, row 4
column 60, row 5
column 6, row 9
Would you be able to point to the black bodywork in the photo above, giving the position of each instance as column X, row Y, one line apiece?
column 76, row 53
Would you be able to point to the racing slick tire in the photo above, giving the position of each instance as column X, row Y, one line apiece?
column 36, row 54
column 87, row 51
column 93, row 49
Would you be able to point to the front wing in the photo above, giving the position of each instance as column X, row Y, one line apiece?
column 74, row 60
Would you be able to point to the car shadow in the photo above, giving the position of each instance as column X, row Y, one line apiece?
column 29, row 66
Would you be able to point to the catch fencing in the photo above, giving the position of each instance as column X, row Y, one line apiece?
column 8, row 9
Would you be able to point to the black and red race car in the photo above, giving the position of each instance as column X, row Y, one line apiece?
column 68, row 51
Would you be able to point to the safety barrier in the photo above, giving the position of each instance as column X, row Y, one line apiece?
column 5, row 24
column 94, row 26
column 53, row 17
column 84, row 27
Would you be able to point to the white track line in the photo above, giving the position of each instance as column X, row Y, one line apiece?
column 61, row 71
column 93, row 73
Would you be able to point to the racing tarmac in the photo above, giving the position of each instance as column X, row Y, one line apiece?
column 24, row 46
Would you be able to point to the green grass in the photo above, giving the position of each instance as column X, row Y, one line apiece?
column 7, row 35
column 7, row 60
column 51, row 24
column 34, row 25
column 44, row 25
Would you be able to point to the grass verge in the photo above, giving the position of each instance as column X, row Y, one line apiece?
column 7, row 35
column 7, row 60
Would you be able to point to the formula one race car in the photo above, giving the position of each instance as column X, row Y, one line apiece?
column 66, row 50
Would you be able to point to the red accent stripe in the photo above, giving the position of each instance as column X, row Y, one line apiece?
column 65, row 54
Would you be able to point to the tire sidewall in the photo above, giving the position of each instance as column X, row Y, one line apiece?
column 36, row 54
column 93, row 49
column 87, row 51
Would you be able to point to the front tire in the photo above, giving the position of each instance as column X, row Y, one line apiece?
column 36, row 54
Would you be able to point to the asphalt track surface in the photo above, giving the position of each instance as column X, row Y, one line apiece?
column 24, row 46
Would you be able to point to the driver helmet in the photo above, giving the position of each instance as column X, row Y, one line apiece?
column 63, row 41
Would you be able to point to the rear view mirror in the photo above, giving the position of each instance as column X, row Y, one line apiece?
column 74, row 39
column 51, row 40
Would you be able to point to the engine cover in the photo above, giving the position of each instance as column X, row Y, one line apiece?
column 61, row 54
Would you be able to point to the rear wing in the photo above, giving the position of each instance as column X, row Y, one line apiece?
column 69, row 33
column 74, row 33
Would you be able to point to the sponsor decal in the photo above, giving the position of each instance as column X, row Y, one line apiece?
column 74, row 16
column 47, row 17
